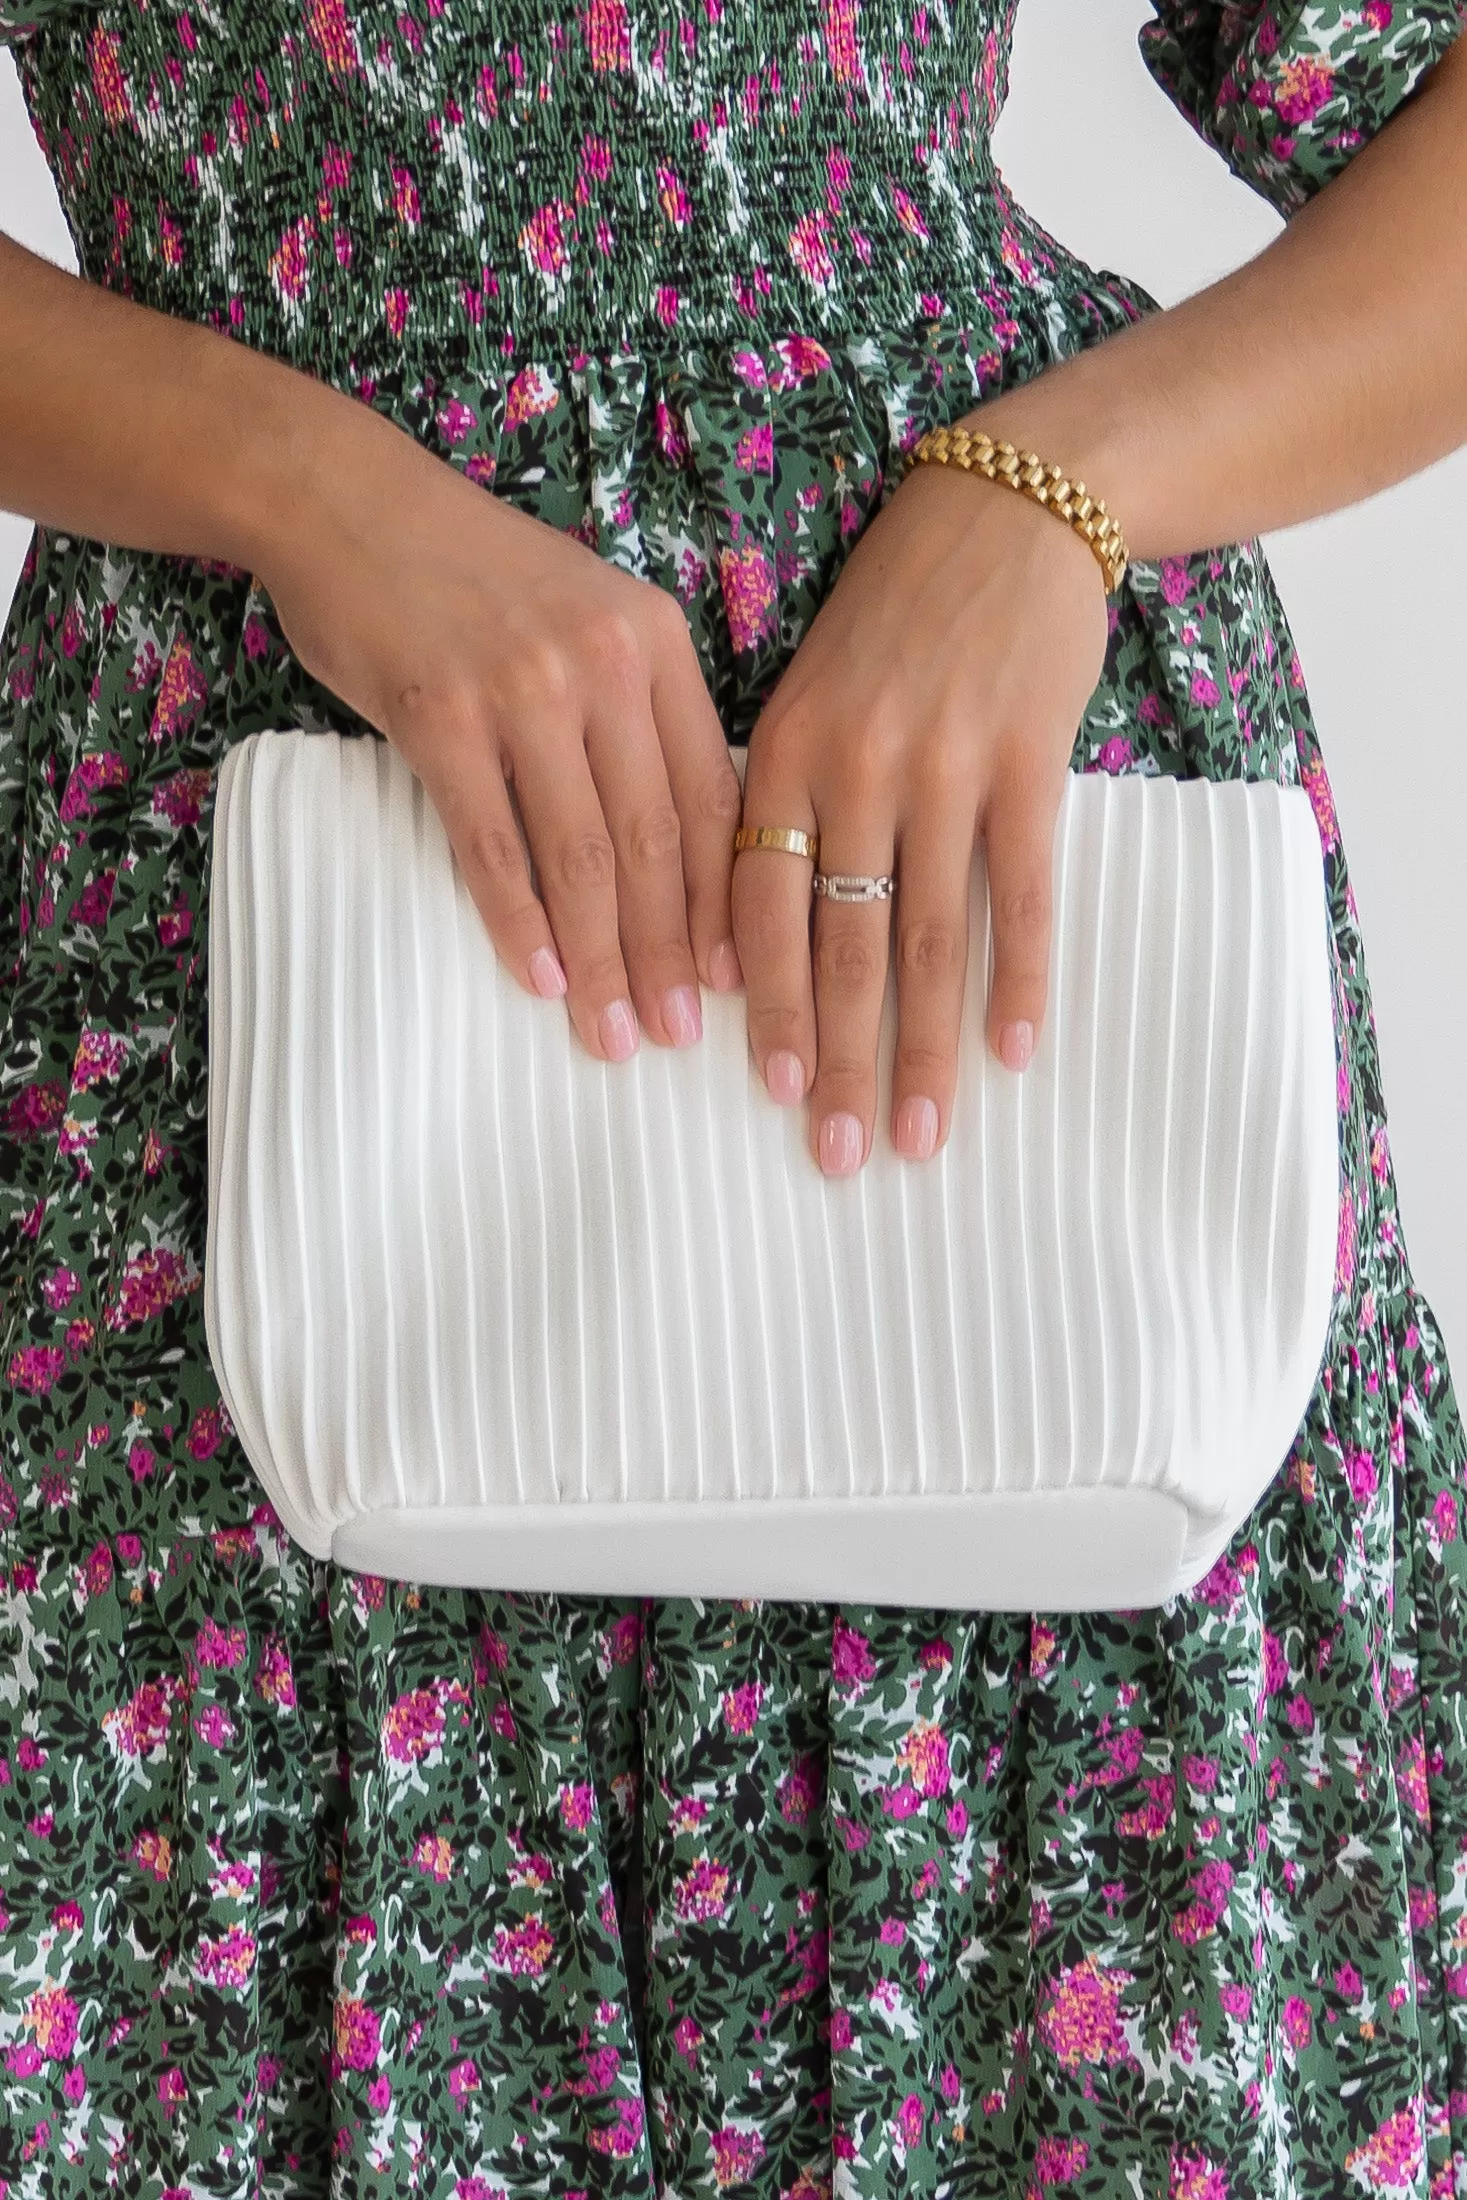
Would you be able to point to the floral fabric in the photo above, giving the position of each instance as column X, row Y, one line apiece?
column 315, row 1882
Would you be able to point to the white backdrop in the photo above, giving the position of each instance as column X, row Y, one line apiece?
column 1374, row 593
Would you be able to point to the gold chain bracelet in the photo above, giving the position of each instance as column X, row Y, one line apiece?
column 1049, row 485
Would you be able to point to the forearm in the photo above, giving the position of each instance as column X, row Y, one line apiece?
column 133, row 427
column 1325, row 369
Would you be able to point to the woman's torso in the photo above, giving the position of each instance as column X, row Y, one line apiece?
column 330, row 182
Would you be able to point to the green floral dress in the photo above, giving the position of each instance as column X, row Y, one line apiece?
column 312, row 1881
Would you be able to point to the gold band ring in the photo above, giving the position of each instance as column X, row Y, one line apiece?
column 792, row 838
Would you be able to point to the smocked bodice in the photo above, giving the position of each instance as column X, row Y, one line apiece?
column 617, row 171
column 346, row 180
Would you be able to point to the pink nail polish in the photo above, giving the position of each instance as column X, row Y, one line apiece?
column 917, row 1128
column 840, row 1145
column 1016, row 1044
column 619, row 1030
column 546, row 975
column 724, row 967
column 785, row 1076
column 683, row 1015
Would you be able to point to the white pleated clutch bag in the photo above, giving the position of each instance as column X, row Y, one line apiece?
column 489, row 1312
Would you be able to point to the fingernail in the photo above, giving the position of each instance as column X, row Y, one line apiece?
column 546, row 975
column 917, row 1127
column 682, row 1015
column 724, row 967
column 1016, row 1044
column 618, row 1026
column 785, row 1077
column 840, row 1145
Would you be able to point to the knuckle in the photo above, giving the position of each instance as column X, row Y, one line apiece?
column 878, row 746
column 654, row 838
column 616, row 648
column 587, row 864
column 929, row 948
column 844, row 1070
column 665, row 954
column 925, row 1063
column 539, row 673
column 844, row 960
column 721, row 798
column 1023, row 908
column 492, row 850
column 658, row 955
column 775, row 1021
column 944, row 769
column 603, row 974
column 669, row 617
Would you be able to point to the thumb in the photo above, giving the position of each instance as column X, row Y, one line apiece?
column 1018, row 833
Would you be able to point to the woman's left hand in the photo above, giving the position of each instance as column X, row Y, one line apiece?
column 937, row 694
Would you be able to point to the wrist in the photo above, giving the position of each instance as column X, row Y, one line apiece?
column 302, row 450
column 1065, row 415
column 1021, row 482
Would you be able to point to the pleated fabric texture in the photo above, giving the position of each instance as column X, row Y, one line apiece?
column 488, row 1311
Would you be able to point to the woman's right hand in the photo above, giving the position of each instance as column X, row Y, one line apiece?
column 494, row 651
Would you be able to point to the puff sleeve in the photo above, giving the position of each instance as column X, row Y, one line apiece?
column 1288, row 90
